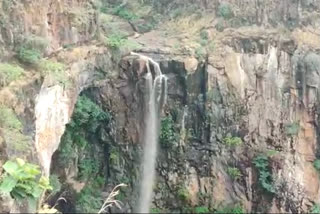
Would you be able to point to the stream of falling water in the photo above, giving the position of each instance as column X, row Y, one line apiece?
column 157, row 94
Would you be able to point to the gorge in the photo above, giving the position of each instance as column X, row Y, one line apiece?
column 197, row 106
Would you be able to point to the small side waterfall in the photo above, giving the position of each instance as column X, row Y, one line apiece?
column 157, row 94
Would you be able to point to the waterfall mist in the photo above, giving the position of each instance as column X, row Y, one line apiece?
column 157, row 92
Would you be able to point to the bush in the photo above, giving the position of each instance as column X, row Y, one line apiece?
column 55, row 71
column 21, row 180
column 261, row 162
column 9, row 73
column 9, row 120
column 55, row 184
column 32, row 49
column 201, row 210
column 183, row 194
column 124, row 13
column 167, row 133
column 232, row 141
column 315, row 208
column 224, row 10
column 292, row 129
column 29, row 56
column 237, row 209
column 316, row 165
column 234, row 172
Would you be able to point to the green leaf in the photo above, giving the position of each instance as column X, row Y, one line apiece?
column 10, row 167
column 36, row 192
column 7, row 184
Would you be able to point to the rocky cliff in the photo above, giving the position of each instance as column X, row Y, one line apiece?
column 239, row 132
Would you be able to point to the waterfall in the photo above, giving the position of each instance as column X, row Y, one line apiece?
column 157, row 94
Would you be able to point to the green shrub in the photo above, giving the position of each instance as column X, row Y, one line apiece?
column 183, row 194
column 167, row 133
column 237, row 209
column 154, row 210
column 201, row 210
column 316, row 164
column 224, row 10
column 315, row 208
column 29, row 56
column 86, row 119
column 124, row 13
column 89, row 200
column 232, row 141
column 9, row 120
column 204, row 35
column 36, row 43
column 55, row 184
column 55, row 71
column 200, row 52
column 21, row 180
column 220, row 26
column 88, row 168
column 234, row 172
column 32, row 49
column 261, row 162
column 9, row 73
column 292, row 129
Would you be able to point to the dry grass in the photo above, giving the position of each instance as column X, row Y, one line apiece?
column 111, row 201
column 190, row 25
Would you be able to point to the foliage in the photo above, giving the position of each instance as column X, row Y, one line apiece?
column 88, row 168
column 316, row 164
column 124, row 13
column 261, row 162
column 29, row 56
column 200, row 52
column 32, row 49
column 224, row 10
column 55, row 184
column 292, row 129
column 55, row 71
column 9, row 120
column 183, row 194
column 9, row 73
column 89, row 199
column 167, row 132
column 232, row 141
column 315, row 208
column 12, row 130
column 237, row 209
column 36, row 43
column 234, row 172
column 21, row 180
column 201, row 209
column 86, row 120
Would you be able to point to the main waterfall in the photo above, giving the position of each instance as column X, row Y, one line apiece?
column 156, row 86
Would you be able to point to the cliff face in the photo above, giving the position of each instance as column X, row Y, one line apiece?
column 240, row 128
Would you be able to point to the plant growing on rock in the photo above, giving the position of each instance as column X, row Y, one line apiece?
column 55, row 71
column 224, row 10
column 183, row 194
column 9, row 73
column 201, row 209
column 261, row 162
column 316, row 164
column 315, row 208
column 21, row 180
column 292, row 129
column 32, row 49
column 234, row 173
column 232, row 141
column 167, row 133
column 236, row 209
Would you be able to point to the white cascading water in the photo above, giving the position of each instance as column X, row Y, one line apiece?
column 157, row 94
